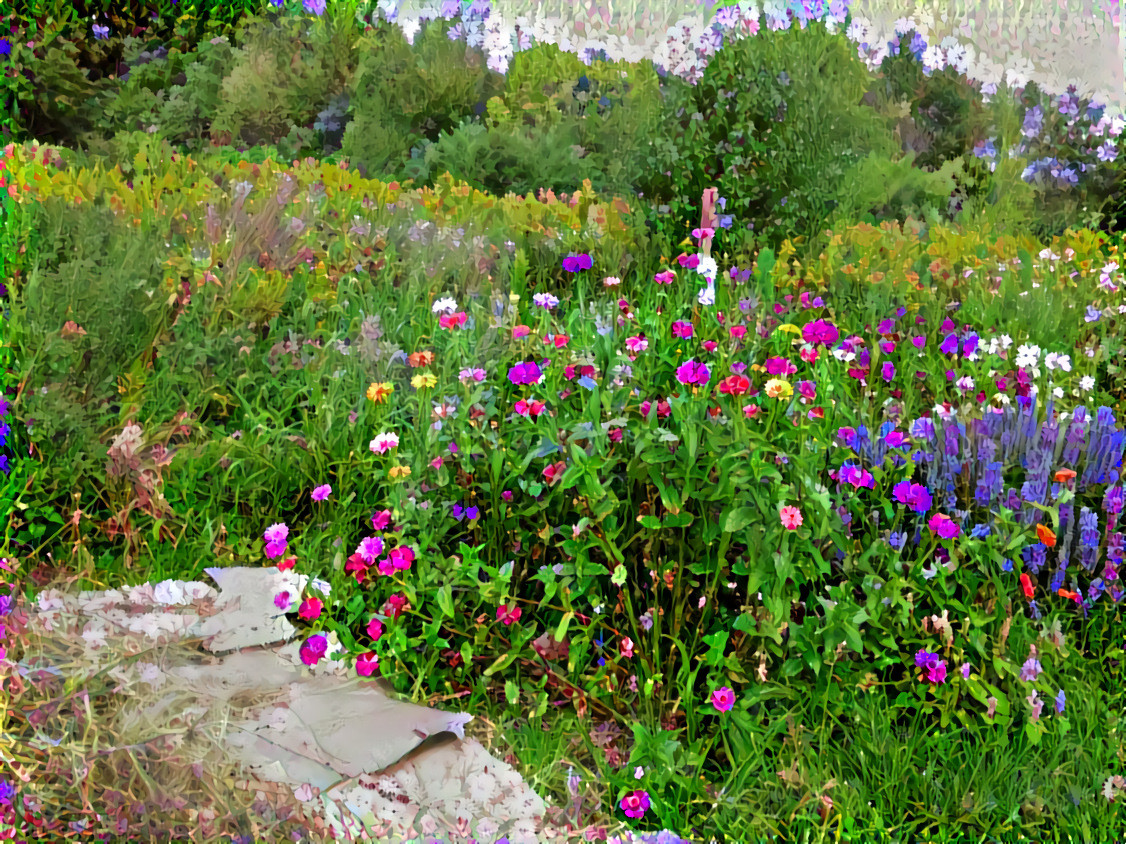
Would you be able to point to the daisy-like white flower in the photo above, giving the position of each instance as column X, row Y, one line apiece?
column 1027, row 355
column 1086, row 383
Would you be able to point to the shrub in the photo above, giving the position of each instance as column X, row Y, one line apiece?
column 402, row 95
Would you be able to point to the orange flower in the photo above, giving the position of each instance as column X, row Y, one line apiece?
column 1026, row 585
column 1045, row 535
column 1066, row 593
column 1064, row 475
column 421, row 359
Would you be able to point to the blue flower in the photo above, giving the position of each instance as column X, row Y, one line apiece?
column 5, row 47
column 101, row 33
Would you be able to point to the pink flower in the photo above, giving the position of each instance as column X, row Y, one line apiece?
column 310, row 609
column 520, row 331
column 635, row 804
column 738, row 331
column 313, row 649
column 369, row 549
column 791, row 518
column 322, row 492
column 723, row 699
column 380, row 520
column 506, row 615
column 281, row 601
column 553, row 472
column 664, row 278
column 626, row 647
column 637, row 343
column 375, row 629
column 287, row 564
column 384, row 443
column 453, row 320
column 366, row 664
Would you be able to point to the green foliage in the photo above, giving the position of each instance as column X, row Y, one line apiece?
column 776, row 124
column 402, row 95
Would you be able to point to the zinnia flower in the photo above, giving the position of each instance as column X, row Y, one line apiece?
column 635, row 804
column 791, row 517
column 377, row 392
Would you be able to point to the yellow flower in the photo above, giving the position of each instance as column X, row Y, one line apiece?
column 425, row 380
column 776, row 388
column 378, row 392
column 399, row 472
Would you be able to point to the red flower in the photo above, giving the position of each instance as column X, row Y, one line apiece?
column 553, row 472
column 1026, row 585
column 735, row 385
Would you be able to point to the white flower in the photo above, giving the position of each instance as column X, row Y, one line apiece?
column 95, row 634
column 151, row 674
column 445, row 305
column 1027, row 355
column 965, row 383
column 706, row 296
column 707, row 267
column 1057, row 393
column 1086, row 383
column 1054, row 360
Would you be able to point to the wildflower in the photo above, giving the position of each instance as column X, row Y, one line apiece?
column 1086, row 383
column 626, row 647
column 1031, row 670
column 553, row 472
column 314, row 7
column 1026, row 585
column 1064, row 476
column 574, row 263
column 322, row 492
column 545, row 301
column 723, row 699
column 611, row 281
column 369, row 549
column 635, row 804
column 275, row 536
column 735, row 385
column 532, row 408
column 933, row 667
column 682, row 329
column 101, row 33
column 453, row 320
column 525, row 373
column 384, row 443
column 820, row 332
column 399, row 472
column 520, row 331
column 1045, row 535
column 287, row 564
column 313, row 649
column 281, row 601
column 310, row 609
column 944, row 526
column 380, row 520
column 776, row 388
column 506, row 615
column 427, row 380
column 1061, row 699
column 446, row 305
column 691, row 372
column 791, row 517
column 418, row 360
column 665, row 277
column 466, row 375
column 367, row 663
column 637, row 343
column 375, row 629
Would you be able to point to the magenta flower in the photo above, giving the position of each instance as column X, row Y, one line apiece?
column 313, row 649
column 682, row 329
column 281, row 601
column 524, row 373
column 310, row 609
column 934, row 668
column 366, row 664
column 381, row 520
column 691, row 372
column 322, row 492
column 275, row 536
column 723, row 699
column 944, row 526
column 375, row 628
column 635, row 804
column 820, row 332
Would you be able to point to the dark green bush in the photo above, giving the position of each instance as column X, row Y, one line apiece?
column 402, row 95
column 776, row 123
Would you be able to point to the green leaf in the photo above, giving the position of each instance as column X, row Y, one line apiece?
column 651, row 522
column 500, row 662
column 511, row 692
column 739, row 518
column 445, row 601
column 561, row 630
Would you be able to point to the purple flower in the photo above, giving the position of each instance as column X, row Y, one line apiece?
column 101, row 33
column 1030, row 670
column 313, row 649
column 5, row 47
column 933, row 667
column 949, row 345
column 1060, row 701
column 691, row 372
column 322, row 492
column 574, row 263
column 314, row 7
